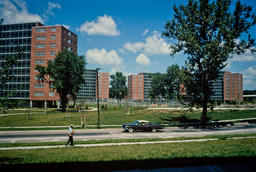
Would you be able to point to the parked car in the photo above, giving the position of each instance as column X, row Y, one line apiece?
column 142, row 125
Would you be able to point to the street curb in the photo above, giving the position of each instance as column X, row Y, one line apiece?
column 119, row 144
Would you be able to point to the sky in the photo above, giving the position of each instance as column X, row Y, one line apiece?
column 121, row 35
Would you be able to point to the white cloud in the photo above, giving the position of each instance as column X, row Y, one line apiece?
column 153, row 45
column 143, row 60
column 246, row 57
column 249, row 76
column 145, row 32
column 104, row 25
column 51, row 6
column 103, row 57
column 15, row 11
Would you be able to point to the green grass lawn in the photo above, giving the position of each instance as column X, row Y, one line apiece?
column 118, row 117
column 219, row 148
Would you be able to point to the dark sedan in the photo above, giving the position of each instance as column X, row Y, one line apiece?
column 142, row 125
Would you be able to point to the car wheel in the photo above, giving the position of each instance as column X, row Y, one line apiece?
column 153, row 130
column 130, row 130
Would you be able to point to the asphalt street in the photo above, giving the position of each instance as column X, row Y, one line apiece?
column 102, row 134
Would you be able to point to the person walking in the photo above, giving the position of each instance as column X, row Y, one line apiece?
column 70, row 134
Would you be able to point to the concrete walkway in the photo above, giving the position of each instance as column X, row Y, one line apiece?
column 118, row 144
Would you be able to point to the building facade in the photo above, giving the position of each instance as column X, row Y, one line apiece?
column 46, row 42
column 232, row 86
column 13, row 35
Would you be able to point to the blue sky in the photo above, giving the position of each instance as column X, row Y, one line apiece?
column 119, row 35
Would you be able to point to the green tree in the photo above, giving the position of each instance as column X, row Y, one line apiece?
column 118, row 85
column 158, row 85
column 6, row 76
column 65, row 73
column 175, row 77
column 208, row 33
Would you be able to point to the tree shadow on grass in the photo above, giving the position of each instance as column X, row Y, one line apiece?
column 245, row 163
column 182, row 119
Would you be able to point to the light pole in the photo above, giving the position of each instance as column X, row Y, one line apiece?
column 97, row 83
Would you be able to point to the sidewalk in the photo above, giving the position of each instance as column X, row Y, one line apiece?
column 118, row 144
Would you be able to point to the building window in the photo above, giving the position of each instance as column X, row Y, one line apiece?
column 53, row 36
column 227, row 78
column 52, row 53
column 53, row 45
column 41, row 30
column 38, row 38
column 38, row 93
column 40, row 54
column 53, row 29
column 39, row 61
column 40, row 45
column 51, row 93
column 38, row 85
column 64, row 30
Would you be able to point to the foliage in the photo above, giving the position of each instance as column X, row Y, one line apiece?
column 6, row 76
column 175, row 77
column 65, row 74
column 118, row 86
column 249, row 92
column 208, row 33
column 157, row 86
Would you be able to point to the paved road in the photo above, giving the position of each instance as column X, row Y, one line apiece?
column 96, row 134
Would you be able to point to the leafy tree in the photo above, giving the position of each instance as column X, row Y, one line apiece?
column 6, row 76
column 157, row 85
column 175, row 77
column 65, row 73
column 118, row 86
column 209, row 34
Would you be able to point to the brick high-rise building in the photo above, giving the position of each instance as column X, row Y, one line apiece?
column 47, row 41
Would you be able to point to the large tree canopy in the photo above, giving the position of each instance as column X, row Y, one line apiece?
column 209, row 34
column 118, row 85
column 65, row 73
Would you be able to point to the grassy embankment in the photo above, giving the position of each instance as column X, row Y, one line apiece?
column 117, row 117
column 210, row 149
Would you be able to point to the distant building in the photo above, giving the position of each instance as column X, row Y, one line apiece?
column 227, row 87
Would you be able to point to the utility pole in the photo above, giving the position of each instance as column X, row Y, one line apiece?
column 97, row 82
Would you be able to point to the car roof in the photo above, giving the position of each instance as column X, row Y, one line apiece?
column 142, row 121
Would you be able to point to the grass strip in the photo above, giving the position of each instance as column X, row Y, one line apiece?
column 210, row 149
column 219, row 137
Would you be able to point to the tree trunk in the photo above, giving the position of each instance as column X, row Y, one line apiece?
column 203, row 117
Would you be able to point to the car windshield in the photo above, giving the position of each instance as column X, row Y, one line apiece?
column 135, row 123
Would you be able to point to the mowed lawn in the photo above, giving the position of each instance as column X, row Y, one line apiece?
column 219, row 148
column 118, row 116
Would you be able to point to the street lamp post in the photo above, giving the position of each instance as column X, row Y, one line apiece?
column 97, row 82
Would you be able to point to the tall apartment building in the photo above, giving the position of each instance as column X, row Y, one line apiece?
column 40, row 44
column 47, row 41
column 136, row 87
column 232, row 86
column 89, row 89
column 12, row 35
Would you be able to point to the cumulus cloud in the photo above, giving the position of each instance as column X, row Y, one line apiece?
column 153, row 45
column 246, row 57
column 51, row 6
column 143, row 60
column 15, row 11
column 145, row 32
column 249, row 76
column 104, row 25
column 103, row 57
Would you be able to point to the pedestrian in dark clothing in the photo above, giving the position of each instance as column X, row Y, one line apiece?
column 70, row 134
